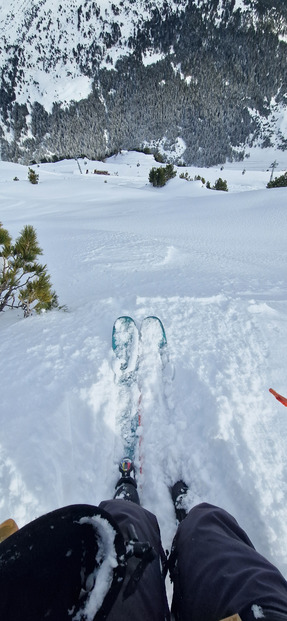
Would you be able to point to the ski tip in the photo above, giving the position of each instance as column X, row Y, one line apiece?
column 152, row 321
column 124, row 323
column 124, row 319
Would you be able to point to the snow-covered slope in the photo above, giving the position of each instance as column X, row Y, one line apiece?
column 48, row 35
column 85, row 77
column 212, row 266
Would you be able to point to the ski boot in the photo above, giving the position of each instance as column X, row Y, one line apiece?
column 126, row 487
column 178, row 493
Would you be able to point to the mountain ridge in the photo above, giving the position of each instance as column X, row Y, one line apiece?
column 193, row 79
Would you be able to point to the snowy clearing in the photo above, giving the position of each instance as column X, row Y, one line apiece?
column 212, row 266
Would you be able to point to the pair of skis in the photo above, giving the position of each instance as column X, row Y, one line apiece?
column 137, row 352
column 141, row 371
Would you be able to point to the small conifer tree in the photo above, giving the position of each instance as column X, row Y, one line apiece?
column 278, row 182
column 220, row 184
column 24, row 282
column 32, row 176
column 159, row 176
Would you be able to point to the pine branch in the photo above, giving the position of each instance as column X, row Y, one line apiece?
column 24, row 282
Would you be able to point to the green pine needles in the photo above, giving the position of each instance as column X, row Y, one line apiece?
column 278, row 182
column 24, row 282
column 32, row 176
column 159, row 176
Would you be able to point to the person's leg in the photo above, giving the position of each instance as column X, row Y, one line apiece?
column 126, row 489
column 144, row 573
column 217, row 572
column 52, row 566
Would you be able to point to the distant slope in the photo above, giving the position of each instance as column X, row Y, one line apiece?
column 197, row 80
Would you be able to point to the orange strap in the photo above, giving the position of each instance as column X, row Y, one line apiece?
column 7, row 528
column 278, row 397
column 232, row 618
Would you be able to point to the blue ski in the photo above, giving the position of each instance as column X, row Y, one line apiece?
column 125, row 339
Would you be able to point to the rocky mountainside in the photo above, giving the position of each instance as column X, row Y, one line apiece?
column 197, row 80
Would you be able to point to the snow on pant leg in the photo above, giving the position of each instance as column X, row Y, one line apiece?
column 148, row 602
column 217, row 572
column 49, row 563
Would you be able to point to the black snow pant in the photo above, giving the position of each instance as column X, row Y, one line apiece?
column 49, row 568
column 84, row 563
column 148, row 602
column 106, row 562
column 217, row 572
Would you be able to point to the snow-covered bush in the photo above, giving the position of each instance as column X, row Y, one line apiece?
column 24, row 283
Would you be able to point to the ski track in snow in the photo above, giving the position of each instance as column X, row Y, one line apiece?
column 210, row 424
column 211, row 267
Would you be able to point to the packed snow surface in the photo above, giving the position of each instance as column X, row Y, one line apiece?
column 212, row 266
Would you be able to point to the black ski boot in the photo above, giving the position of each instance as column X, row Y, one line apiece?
column 178, row 493
column 126, row 487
